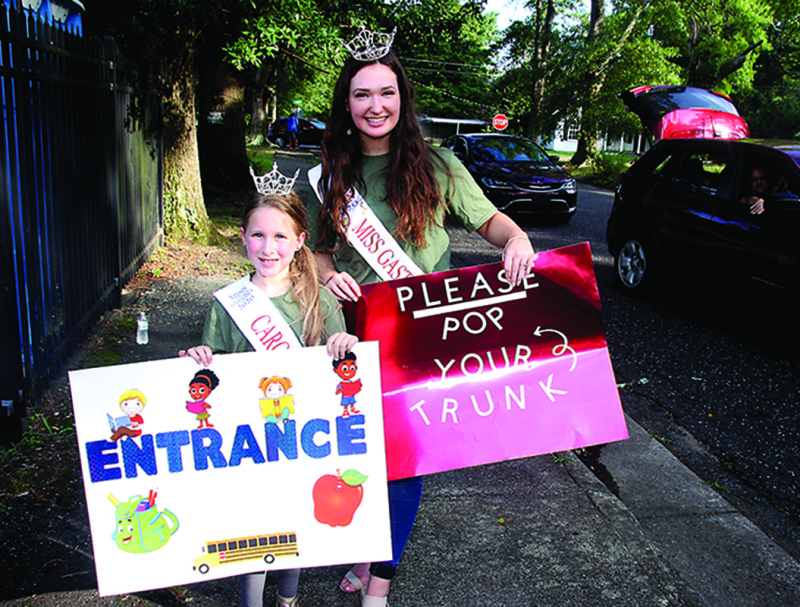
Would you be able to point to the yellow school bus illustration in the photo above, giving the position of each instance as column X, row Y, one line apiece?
column 254, row 547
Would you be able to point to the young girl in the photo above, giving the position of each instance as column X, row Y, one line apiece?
column 377, row 170
column 274, row 228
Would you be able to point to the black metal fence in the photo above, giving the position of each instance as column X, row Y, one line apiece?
column 80, row 197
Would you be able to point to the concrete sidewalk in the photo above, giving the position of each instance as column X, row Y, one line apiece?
column 542, row 531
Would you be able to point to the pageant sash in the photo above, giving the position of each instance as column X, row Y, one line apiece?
column 367, row 235
column 257, row 317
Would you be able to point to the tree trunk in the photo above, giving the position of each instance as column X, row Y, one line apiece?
column 596, row 78
column 223, row 147
column 545, row 14
column 587, row 143
column 260, row 119
column 185, row 214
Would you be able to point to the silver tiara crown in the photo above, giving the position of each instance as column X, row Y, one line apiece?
column 274, row 182
column 369, row 45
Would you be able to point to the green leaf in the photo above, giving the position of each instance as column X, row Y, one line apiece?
column 353, row 478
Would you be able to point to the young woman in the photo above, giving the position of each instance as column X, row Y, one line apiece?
column 373, row 151
column 274, row 229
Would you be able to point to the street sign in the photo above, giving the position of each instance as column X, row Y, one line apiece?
column 500, row 122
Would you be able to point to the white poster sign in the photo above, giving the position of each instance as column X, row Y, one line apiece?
column 262, row 461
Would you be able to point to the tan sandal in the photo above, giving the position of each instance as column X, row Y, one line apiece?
column 367, row 600
column 356, row 583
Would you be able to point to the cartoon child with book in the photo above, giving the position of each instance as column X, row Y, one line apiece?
column 129, row 425
column 346, row 369
column 277, row 404
column 201, row 385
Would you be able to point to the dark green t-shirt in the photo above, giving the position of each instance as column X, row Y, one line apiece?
column 468, row 206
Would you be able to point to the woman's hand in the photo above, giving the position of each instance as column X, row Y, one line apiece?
column 518, row 258
column 518, row 255
column 340, row 344
column 200, row 354
column 343, row 286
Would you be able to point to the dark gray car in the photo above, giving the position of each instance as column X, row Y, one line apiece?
column 516, row 174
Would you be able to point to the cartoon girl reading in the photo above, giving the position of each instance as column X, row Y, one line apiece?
column 276, row 404
column 202, row 384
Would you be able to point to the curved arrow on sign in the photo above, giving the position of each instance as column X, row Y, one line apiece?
column 559, row 349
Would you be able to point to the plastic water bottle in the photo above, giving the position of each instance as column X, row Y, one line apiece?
column 141, row 333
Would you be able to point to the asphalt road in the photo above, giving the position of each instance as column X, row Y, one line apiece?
column 710, row 371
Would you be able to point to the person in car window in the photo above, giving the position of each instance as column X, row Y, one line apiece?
column 761, row 186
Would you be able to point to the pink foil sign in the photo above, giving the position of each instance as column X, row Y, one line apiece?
column 476, row 371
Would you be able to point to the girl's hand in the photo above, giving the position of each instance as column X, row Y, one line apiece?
column 518, row 258
column 200, row 354
column 343, row 286
column 340, row 344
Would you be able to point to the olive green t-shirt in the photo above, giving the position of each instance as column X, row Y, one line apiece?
column 467, row 204
column 223, row 336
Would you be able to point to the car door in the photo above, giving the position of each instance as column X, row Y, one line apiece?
column 683, row 204
column 763, row 248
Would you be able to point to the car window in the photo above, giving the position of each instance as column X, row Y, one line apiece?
column 661, row 101
column 716, row 171
column 502, row 149
column 707, row 172
column 669, row 167
column 762, row 176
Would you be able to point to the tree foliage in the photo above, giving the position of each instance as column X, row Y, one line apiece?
column 446, row 48
column 561, row 65
column 772, row 106
column 708, row 34
column 745, row 48
column 178, row 34
column 229, row 56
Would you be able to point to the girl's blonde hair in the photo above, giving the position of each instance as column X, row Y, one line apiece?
column 303, row 269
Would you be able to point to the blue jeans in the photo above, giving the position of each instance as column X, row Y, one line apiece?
column 404, row 498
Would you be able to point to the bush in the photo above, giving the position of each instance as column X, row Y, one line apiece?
column 607, row 168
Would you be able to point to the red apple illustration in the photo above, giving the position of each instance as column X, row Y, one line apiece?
column 336, row 498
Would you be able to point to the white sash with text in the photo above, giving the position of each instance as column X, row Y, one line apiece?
column 257, row 317
column 367, row 235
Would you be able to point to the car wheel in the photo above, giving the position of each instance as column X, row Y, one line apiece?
column 634, row 265
column 280, row 142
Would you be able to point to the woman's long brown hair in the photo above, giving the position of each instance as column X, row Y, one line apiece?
column 411, row 186
column 303, row 269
